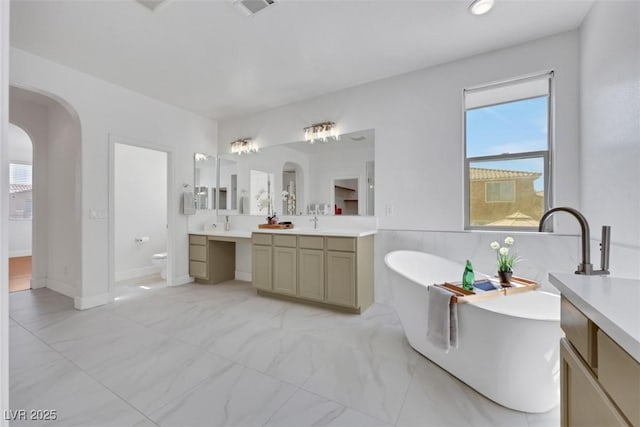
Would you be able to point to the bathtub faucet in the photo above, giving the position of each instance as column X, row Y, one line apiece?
column 585, row 267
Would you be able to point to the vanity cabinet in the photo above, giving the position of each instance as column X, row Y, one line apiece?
column 212, row 259
column 341, row 278
column 285, row 270
column 198, row 257
column 600, row 382
column 261, row 254
column 311, row 267
column 326, row 270
column 311, row 274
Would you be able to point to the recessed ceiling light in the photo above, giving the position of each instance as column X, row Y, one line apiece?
column 480, row 7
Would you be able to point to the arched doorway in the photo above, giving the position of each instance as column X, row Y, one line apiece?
column 20, row 157
column 54, row 129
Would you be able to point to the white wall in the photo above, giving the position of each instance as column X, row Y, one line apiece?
column 55, row 134
column 20, row 151
column 418, row 125
column 63, row 214
column 4, row 207
column 610, row 144
column 104, row 109
column 140, row 209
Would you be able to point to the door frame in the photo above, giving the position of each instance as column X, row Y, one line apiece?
column 171, row 205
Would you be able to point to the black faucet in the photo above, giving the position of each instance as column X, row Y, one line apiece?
column 585, row 267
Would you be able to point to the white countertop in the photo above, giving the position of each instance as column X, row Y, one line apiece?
column 339, row 232
column 246, row 234
column 238, row 234
column 611, row 303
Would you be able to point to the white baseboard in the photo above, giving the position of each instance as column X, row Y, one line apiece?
column 83, row 303
column 61, row 287
column 243, row 275
column 182, row 280
column 15, row 254
column 38, row 282
column 134, row 273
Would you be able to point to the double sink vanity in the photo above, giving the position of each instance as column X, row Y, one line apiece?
column 332, row 268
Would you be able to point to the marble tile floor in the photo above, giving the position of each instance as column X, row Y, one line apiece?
column 138, row 286
column 219, row 355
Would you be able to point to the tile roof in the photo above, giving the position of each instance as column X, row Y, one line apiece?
column 479, row 174
column 517, row 219
column 19, row 188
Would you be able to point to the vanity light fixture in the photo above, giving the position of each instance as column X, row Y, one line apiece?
column 321, row 132
column 243, row 146
column 201, row 157
column 480, row 7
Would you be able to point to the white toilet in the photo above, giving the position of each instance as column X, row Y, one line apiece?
column 160, row 259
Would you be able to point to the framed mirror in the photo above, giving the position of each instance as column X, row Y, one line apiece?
column 205, row 180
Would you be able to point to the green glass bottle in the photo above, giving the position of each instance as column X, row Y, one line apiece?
column 468, row 277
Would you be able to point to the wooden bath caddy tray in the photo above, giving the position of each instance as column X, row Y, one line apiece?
column 518, row 286
column 275, row 226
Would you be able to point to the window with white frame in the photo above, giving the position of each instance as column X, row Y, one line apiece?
column 507, row 153
column 20, row 191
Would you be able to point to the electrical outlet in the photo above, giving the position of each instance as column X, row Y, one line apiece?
column 388, row 210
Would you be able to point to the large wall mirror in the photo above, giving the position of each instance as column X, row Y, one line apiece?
column 299, row 178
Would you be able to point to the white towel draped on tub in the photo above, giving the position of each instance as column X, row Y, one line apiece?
column 442, row 326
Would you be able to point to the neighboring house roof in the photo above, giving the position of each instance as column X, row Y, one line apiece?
column 19, row 188
column 479, row 174
column 516, row 219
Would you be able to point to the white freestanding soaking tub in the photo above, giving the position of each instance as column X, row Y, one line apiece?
column 508, row 347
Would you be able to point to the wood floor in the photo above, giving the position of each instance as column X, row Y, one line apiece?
column 19, row 273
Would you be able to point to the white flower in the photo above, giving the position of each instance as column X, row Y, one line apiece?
column 504, row 251
column 509, row 241
column 285, row 193
column 495, row 245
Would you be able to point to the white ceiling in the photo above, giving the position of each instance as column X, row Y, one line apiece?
column 204, row 56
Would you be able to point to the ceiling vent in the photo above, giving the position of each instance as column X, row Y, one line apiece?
column 153, row 4
column 251, row 7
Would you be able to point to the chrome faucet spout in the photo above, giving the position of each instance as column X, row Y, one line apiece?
column 315, row 222
column 585, row 267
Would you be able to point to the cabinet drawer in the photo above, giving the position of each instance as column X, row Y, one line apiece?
column 261, row 239
column 198, row 253
column 580, row 331
column 311, row 242
column 583, row 401
column 198, row 269
column 284, row 241
column 197, row 240
column 619, row 375
column 345, row 244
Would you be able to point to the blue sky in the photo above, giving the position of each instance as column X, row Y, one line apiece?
column 514, row 127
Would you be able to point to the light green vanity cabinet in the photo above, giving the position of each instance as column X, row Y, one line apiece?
column 599, row 380
column 325, row 270
column 212, row 259
column 311, row 274
column 285, row 269
column 261, row 262
column 341, row 278
column 198, row 257
column 285, row 274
